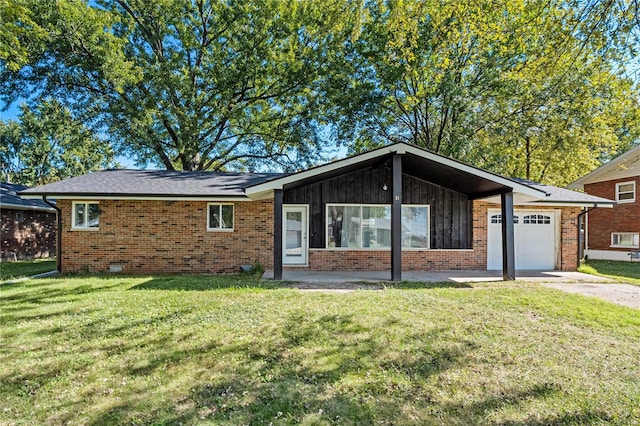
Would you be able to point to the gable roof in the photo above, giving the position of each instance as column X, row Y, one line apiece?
column 152, row 184
column 444, row 171
column 10, row 200
column 180, row 185
column 623, row 166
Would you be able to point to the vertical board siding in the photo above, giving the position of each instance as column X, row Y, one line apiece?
column 451, row 212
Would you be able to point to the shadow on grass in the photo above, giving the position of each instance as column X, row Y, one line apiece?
column 205, row 282
column 249, row 281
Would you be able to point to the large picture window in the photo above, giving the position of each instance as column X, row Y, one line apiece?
column 220, row 217
column 369, row 226
column 86, row 215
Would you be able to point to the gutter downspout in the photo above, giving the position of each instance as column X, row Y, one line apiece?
column 580, row 237
column 58, row 233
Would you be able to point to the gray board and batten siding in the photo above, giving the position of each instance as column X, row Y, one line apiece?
column 451, row 214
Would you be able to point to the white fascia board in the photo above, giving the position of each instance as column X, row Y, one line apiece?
column 267, row 187
column 515, row 186
column 140, row 198
column 21, row 207
column 258, row 190
column 593, row 176
column 566, row 204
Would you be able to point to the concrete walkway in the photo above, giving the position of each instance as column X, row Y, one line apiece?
column 304, row 276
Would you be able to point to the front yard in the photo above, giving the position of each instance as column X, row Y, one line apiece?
column 25, row 268
column 624, row 272
column 187, row 350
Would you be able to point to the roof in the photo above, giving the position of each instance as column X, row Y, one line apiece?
column 472, row 181
column 623, row 166
column 443, row 171
column 152, row 184
column 565, row 196
column 10, row 200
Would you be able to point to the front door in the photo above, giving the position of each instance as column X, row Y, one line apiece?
column 294, row 240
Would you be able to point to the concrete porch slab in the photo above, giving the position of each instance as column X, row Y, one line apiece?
column 304, row 276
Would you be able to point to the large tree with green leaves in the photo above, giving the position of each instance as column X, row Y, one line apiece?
column 48, row 144
column 528, row 88
column 187, row 84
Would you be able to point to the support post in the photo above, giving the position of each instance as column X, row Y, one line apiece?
column 508, row 249
column 277, row 234
column 396, row 219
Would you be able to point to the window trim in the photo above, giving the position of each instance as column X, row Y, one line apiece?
column 635, row 237
column 74, row 226
column 233, row 216
column 633, row 192
column 326, row 226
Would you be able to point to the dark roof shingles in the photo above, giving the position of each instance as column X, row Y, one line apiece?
column 9, row 198
column 160, row 183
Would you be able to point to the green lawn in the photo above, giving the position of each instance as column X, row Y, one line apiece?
column 231, row 351
column 625, row 272
column 25, row 268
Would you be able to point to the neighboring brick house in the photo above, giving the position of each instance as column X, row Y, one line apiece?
column 394, row 208
column 613, row 234
column 28, row 227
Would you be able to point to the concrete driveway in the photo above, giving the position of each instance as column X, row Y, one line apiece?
column 622, row 294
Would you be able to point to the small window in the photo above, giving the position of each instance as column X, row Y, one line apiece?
column 85, row 215
column 19, row 217
column 497, row 218
column 220, row 217
column 625, row 239
column 537, row 219
column 626, row 192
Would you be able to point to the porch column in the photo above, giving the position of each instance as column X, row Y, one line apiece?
column 396, row 219
column 508, row 251
column 277, row 234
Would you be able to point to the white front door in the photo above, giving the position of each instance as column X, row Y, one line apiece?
column 294, row 240
column 535, row 240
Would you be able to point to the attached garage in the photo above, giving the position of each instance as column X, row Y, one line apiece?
column 536, row 240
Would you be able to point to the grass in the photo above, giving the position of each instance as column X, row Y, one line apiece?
column 624, row 272
column 25, row 268
column 233, row 351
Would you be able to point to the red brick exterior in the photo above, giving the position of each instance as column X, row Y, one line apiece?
column 437, row 260
column 167, row 237
column 171, row 237
column 28, row 233
column 623, row 217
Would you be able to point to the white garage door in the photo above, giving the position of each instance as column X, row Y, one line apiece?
column 535, row 240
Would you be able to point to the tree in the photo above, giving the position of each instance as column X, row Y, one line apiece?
column 189, row 84
column 532, row 89
column 47, row 144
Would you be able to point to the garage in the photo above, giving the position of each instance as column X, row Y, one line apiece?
column 535, row 241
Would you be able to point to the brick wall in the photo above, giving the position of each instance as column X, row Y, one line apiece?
column 624, row 217
column 436, row 260
column 27, row 233
column 171, row 237
column 167, row 237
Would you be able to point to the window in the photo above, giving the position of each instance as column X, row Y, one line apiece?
column 85, row 215
column 369, row 226
column 19, row 216
column 625, row 239
column 626, row 192
column 537, row 219
column 220, row 217
column 497, row 218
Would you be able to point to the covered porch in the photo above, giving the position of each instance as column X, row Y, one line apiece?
column 400, row 175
